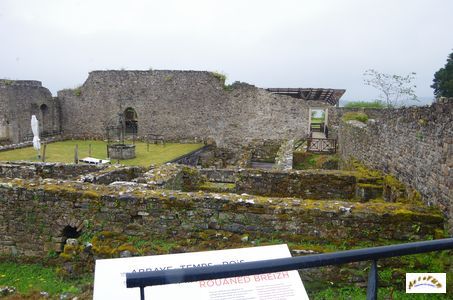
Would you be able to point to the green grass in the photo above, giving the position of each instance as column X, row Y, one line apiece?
column 354, row 293
column 27, row 278
column 317, row 120
column 64, row 152
column 365, row 104
column 306, row 161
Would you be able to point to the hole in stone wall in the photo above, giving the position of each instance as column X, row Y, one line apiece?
column 70, row 232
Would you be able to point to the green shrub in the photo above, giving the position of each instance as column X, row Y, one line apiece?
column 77, row 92
column 365, row 104
column 358, row 116
column 220, row 76
column 8, row 81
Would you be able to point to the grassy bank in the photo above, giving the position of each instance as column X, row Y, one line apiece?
column 30, row 280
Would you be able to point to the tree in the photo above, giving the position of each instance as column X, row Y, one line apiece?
column 393, row 88
column 443, row 79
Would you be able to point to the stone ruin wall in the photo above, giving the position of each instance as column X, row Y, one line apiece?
column 336, row 113
column 183, row 105
column 180, row 105
column 415, row 144
column 35, row 213
column 19, row 99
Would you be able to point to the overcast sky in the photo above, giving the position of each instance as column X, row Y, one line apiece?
column 300, row 43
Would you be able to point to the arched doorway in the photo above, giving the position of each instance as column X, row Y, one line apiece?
column 130, row 119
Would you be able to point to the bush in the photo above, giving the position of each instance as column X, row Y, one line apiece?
column 78, row 91
column 365, row 104
column 358, row 116
column 220, row 76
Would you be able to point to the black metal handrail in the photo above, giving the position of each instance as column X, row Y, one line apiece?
column 144, row 279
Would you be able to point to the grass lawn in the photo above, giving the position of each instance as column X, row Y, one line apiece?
column 317, row 120
column 28, row 278
column 64, row 152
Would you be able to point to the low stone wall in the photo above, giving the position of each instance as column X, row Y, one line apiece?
column 36, row 216
column 306, row 184
column 114, row 173
column 46, row 170
column 415, row 144
column 220, row 175
column 192, row 158
column 265, row 150
column 8, row 147
column 284, row 159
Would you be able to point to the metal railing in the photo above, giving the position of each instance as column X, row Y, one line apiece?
column 315, row 145
column 144, row 279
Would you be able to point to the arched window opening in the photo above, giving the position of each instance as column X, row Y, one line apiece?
column 131, row 122
column 44, row 109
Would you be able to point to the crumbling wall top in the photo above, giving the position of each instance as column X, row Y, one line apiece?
column 28, row 83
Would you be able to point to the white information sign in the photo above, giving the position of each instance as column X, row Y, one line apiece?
column 110, row 277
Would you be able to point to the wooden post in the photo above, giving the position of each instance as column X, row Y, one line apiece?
column 108, row 156
column 44, row 152
column 147, row 145
column 89, row 150
column 76, row 154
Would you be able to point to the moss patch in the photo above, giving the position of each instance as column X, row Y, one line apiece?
column 357, row 116
column 218, row 187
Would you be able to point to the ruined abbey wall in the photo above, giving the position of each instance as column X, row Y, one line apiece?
column 35, row 216
column 182, row 105
column 415, row 144
column 19, row 100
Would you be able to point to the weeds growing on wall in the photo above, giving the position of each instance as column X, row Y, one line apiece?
column 78, row 91
column 357, row 116
column 222, row 78
column 7, row 81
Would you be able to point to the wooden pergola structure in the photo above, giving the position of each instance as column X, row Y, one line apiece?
column 331, row 96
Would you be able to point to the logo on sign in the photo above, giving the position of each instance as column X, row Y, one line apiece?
column 428, row 283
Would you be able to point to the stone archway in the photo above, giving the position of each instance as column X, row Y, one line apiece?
column 66, row 228
column 131, row 120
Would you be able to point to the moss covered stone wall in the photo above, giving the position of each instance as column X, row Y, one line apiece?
column 37, row 216
column 306, row 184
column 46, row 170
column 415, row 144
